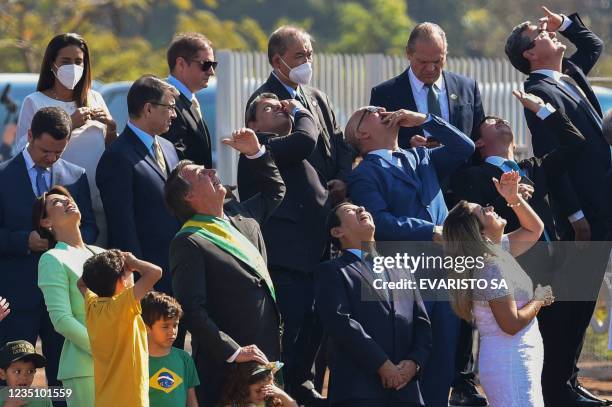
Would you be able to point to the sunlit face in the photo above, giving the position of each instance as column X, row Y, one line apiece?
column 19, row 374
column 70, row 55
column 204, row 184
column 544, row 45
column 366, row 120
column 161, row 114
column 61, row 210
column 256, row 394
column 356, row 224
column 193, row 76
column 428, row 59
column 45, row 150
column 163, row 332
column 491, row 222
column 271, row 117
column 495, row 135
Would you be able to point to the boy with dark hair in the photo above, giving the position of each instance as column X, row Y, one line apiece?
column 172, row 373
column 116, row 330
column 18, row 364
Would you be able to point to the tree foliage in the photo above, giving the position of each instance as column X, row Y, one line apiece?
column 128, row 37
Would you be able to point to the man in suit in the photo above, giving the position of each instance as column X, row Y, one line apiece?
column 290, row 55
column 427, row 88
column 191, row 62
column 400, row 188
column 380, row 337
column 536, row 51
column 23, row 178
column 218, row 264
column 539, row 179
column 295, row 234
column 131, row 176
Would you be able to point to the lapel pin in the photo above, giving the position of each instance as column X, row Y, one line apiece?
column 314, row 102
column 453, row 96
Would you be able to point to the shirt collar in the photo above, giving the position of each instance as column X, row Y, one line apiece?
column 418, row 85
column 356, row 252
column 145, row 137
column 496, row 160
column 180, row 86
column 28, row 159
column 291, row 91
column 556, row 75
column 383, row 153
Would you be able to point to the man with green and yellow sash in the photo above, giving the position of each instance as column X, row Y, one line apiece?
column 218, row 264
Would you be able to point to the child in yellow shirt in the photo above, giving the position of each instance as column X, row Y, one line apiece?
column 117, row 333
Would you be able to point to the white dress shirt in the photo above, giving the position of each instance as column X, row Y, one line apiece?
column 419, row 92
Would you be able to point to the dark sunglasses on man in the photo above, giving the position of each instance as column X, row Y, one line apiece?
column 206, row 65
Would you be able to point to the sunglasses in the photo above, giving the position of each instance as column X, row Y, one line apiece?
column 497, row 122
column 366, row 110
column 206, row 65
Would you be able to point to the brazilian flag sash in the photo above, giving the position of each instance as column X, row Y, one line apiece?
column 229, row 239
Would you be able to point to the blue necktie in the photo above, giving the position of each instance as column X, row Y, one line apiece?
column 41, row 184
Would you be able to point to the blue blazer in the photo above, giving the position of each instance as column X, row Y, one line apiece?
column 406, row 205
column 365, row 333
column 19, row 267
column 464, row 109
column 132, row 189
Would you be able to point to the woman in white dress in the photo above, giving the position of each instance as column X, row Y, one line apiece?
column 65, row 82
column 511, row 349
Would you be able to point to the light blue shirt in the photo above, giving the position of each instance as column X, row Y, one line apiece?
column 419, row 92
column 500, row 162
column 291, row 91
column 32, row 173
column 145, row 137
column 180, row 86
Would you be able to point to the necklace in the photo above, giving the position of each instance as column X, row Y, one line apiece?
column 53, row 94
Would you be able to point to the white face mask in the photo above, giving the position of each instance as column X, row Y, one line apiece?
column 301, row 74
column 69, row 75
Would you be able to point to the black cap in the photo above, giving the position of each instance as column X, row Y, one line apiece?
column 17, row 350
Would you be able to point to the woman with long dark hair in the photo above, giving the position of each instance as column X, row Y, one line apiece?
column 511, row 349
column 57, row 218
column 65, row 81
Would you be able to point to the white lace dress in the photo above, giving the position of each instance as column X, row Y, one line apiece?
column 510, row 365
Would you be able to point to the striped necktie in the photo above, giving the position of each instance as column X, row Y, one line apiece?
column 158, row 155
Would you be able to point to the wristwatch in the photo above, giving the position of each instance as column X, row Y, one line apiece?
column 418, row 367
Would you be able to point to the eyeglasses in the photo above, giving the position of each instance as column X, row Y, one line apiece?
column 497, row 121
column 170, row 107
column 366, row 110
column 206, row 65
column 532, row 42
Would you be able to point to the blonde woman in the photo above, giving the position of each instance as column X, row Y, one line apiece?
column 511, row 349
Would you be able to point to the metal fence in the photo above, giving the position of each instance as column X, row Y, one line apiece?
column 347, row 80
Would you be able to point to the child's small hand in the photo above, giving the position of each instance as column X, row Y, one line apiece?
column 271, row 390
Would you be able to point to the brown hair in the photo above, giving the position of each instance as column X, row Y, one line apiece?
column 186, row 46
column 462, row 235
column 236, row 389
column 156, row 306
column 47, row 78
column 39, row 212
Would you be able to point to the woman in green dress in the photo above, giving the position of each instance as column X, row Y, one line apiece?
column 57, row 218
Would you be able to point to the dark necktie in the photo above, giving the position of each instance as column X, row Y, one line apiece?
column 301, row 98
column 41, row 184
column 433, row 101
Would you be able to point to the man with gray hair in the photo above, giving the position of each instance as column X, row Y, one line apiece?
column 535, row 50
column 290, row 55
column 426, row 87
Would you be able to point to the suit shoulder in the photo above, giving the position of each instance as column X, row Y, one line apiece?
column 388, row 84
column 70, row 168
column 462, row 79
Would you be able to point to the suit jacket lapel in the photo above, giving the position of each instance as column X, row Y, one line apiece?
column 57, row 173
column 186, row 106
column 394, row 170
column 404, row 95
column 451, row 89
column 141, row 149
column 579, row 101
column 277, row 87
column 22, row 171
column 571, row 70
column 368, row 276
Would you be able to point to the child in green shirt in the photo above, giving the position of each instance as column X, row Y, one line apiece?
column 18, row 364
column 172, row 373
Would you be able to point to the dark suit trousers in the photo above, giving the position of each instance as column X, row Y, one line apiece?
column 388, row 402
column 29, row 325
column 464, row 359
column 302, row 331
